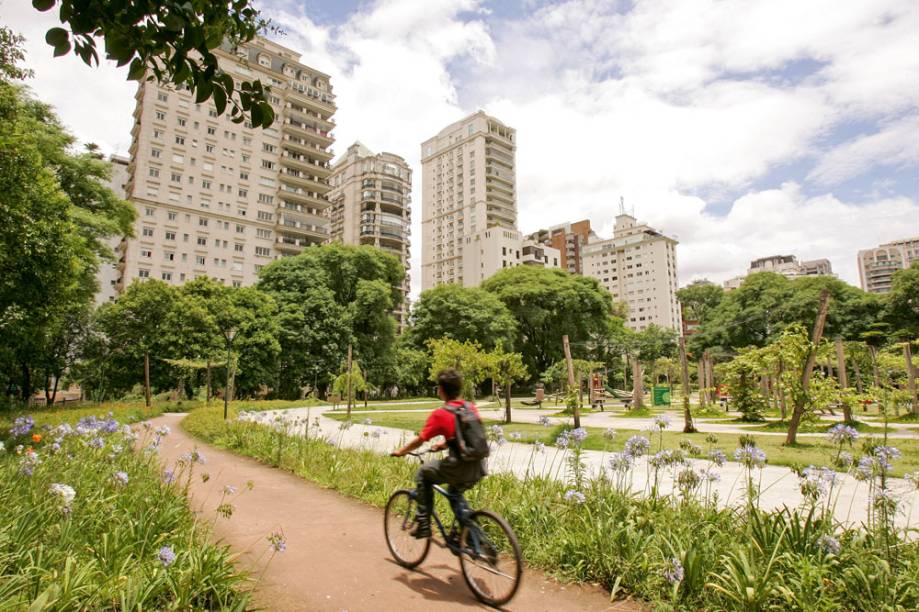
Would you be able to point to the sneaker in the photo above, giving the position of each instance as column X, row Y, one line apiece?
column 422, row 528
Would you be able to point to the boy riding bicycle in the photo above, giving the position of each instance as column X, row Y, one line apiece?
column 457, row 468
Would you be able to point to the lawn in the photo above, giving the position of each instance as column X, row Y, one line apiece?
column 810, row 450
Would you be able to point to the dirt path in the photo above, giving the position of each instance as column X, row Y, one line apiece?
column 336, row 558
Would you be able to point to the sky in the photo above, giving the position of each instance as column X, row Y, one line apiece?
column 744, row 129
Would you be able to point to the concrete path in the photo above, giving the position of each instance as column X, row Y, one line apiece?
column 336, row 558
column 778, row 486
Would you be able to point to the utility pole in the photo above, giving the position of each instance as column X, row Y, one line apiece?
column 688, row 426
column 349, row 381
column 570, row 364
column 816, row 336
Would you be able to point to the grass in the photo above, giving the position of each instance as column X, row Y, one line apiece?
column 731, row 559
column 110, row 546
column 808, row 451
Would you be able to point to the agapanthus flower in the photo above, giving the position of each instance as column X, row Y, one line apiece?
column 845, row 460
column 96, row 443
column 609, row 433
column 169, row 477
column 815, row 483
column 841, row 433
column 578, row 435
column 621, row 462
column 163, row 430
column 22, row 425
column 229, row 490
column 750, row 456
column 496, row 431
column 711, row 475
column 666, row 458
column 829, row 545
column 717, row 457
column 661, row 422
column 121, row 478
column 277, row 542
column 711, row 439
column 166, row 556
column 63, row 430
column 636, row 446
column 673, row 571
column 562, row 440
column 54, row 447
column 688, row 479
column 912, row 477
column 29, row 463
column 544, row 421
column 884, row 501
column 64, row 493
column 539, row 447
column 575, row 496
column 516, row 436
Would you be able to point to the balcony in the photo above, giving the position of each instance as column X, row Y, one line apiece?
column 302, row 145
column 290, row 244
column 307, row 181
column 324, row 123
column 312, row 97
column 499, row 197
column 499, row 187
column 307, row 132
column 303, row 196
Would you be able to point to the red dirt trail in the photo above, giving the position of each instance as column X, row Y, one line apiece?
column 336, row 558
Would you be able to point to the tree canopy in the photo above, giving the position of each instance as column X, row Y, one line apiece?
column 461, row 313
column 548, row 304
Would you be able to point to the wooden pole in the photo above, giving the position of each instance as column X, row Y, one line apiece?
column 688, row 426
column 209, row 390
column 349, row 380
column 147, row 378
column 700, row 378
column 637, row 382
column 782, row 405
column 816, row 336
column 911, row 376
column 843, row 377
column 570, row 364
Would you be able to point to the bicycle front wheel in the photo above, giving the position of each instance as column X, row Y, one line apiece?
column 490, row 558
column 398, row 520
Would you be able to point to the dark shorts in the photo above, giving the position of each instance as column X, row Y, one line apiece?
column 452, row 470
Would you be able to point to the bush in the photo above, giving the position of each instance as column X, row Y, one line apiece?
column 88, row 524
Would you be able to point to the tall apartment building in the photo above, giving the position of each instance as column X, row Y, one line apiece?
column 638, row 267
column 877, row 266
column 787, row 265
column 468, row 197
column 569, row 239
column 488, row 252
column 108, row 273
column 371, row 204
column 223, row 199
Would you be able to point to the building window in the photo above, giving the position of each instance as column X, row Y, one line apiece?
column 209, row 148
column 180, row 140
column 240, row 229
column 211, row 130
column 168, row 256
column 268, row 165
column 155, row 153
column 205, row 184
column 202, row 222
column 263, row 233
column 162, row 97
column 175, row 177
column 265, row 216
column 170, row 235
column 199, row 260
column 181, row 121
column 160, row 116
column 262, row 252
column 265, row 199
column 202, row 241
column 157, row 134
column 243, row 193
column 143, row 274
column 237, row 247
column 154, row 172
column 148, row 232
column 243, row 175
column 166, row 276
column 146, row 253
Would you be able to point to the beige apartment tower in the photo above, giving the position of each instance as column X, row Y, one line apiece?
column 222, row 199
column 468, row 187
column 876, row 266
column 638, row 267
column 371, row 204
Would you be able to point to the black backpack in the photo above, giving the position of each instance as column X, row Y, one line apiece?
column 470, row 433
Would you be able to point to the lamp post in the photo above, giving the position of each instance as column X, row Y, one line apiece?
column 229, row 335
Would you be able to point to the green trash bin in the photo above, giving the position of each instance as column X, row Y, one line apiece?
column 660, row 396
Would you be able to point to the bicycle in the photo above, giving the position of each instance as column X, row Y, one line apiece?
column 481, row 539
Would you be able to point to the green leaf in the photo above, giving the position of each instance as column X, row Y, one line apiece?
column 203, row 91
column 59, row 39
column 256, row 115
column 136, row 71
column 43, row 5
column 220, row 100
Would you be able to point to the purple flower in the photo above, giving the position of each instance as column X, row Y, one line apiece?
column 750, row 456
column 575, row 496
column 22, row 425
column 562, row 440
column 636, row 446
column 839, row 434
column 166, row 556
column 544, row 421
column 169, row 477
column 96, row 443
column 661, row 422
column 578, row 435
column 717, row 457
column 277, row 542
column 673, row 571
column 121, row 478
column 829, row 545
column 621, row 462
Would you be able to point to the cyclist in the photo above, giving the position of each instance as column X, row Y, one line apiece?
column 452, row 469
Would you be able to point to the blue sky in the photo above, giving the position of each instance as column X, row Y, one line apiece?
column 745, row 128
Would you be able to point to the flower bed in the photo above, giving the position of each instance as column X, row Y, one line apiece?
column 88, row 524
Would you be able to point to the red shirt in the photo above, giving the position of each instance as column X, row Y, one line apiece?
column 442, row 422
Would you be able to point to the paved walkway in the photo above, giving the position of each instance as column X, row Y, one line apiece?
column 778, row 485
column 336, row 558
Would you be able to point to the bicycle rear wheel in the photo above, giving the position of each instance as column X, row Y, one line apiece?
column 490, row 558
column 398, row 520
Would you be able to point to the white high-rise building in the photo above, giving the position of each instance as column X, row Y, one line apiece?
column 877, row 266
column 468, row 198
column 638, row 267
column 223, row 199
column 108, row 273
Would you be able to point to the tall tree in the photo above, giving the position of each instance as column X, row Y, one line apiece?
column 506, row 368
column 171, row 41
column 698, row 300
column 903, row 302
column 548, row 304
column 461, row 313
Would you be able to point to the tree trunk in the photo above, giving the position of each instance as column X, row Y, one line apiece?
column 570, row 367
column 209, row 393
column 147, row 378
column 782, row 405
column 507, row 402
column 57, row 379
column 874, row 366
column 48, row 390
column 911, row 376
column 688, row 426
column 637, row 381
column 349, row 382
column 843, row 375
column 858, row 376
column 816, row 335
column 25, row 391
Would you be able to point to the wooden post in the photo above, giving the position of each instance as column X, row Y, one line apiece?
column 911, row 376
column 843, row 377
column 782, row 406
column 570, row 364
column 816, row 336
column 349, row 380
column 688, row 426
column 208, row 377
column 147, row 378
column 858, row 376
column 700, row 377
column 874, row 366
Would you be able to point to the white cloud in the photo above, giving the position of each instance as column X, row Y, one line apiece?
column 895, row 144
